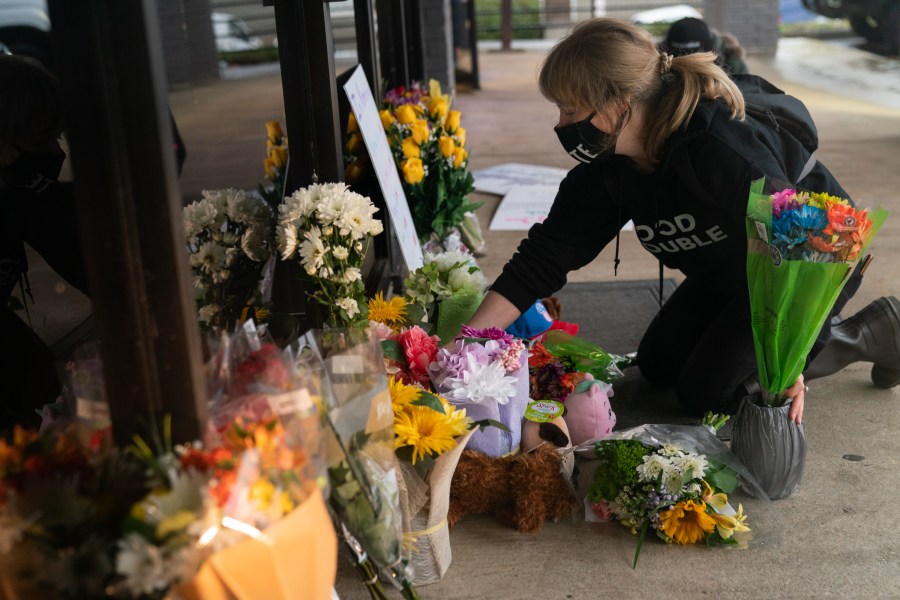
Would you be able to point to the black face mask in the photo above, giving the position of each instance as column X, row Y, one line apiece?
column 33, row 171
column 585, row 143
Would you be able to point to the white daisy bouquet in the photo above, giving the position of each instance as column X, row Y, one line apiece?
column 229, row 238
column 327, row 228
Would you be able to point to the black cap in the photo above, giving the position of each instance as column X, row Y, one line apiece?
column 688, row 35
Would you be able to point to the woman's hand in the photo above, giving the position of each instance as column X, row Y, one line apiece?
column 798, row 393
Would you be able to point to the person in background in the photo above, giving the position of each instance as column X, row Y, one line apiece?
column 664, row 142
column 690, row 35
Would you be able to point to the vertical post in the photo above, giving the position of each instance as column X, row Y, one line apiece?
column 473, row 43
column 505, row 24
column 392, row 42
column 129, row 211
column 367, row 42
column 414, row 25
column 306, row 52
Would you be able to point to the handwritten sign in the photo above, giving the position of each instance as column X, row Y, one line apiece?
column 366, row 111
column 523, row 206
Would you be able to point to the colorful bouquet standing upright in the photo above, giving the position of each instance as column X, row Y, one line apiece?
column 429, row 147
column 673, row 480
column 229, row 237
column 328, row 228
column 802, row 247
column 485, row 371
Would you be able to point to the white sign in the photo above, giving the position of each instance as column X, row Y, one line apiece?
column 523, row 206
column 366, row 111
column 500, row 178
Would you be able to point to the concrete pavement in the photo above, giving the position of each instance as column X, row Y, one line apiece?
column 832, row 538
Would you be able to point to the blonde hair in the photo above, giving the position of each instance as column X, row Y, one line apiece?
column 604, row 62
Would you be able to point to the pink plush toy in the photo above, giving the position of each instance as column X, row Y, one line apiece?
column 589, row 415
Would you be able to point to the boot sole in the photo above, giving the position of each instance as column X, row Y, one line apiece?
column 884, row 377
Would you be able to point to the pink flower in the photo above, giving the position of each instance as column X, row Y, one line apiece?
column 601, row 510
column 783, row 200
column 381, row 331
column 490, row 333
column 419, row 349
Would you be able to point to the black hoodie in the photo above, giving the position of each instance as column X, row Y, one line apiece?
column 690, row 212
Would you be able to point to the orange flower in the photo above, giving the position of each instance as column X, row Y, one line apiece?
column 843, row 217
column 539, row 357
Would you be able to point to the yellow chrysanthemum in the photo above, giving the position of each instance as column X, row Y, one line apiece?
column 686, row 522
column 402, row 395
column 426, row 431
column 390, row 312
column 456, row 418
column 727, row 525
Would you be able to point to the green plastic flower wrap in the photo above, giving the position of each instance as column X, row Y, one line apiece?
column 586, row 356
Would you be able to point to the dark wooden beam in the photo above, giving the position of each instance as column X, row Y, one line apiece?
column 109, row 61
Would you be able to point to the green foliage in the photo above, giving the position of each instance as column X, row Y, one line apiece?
column 526, row 19
column 617, row 468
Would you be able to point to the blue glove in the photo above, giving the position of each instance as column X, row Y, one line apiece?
column 532, row 322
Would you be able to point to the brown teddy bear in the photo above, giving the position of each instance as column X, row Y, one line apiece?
column 521, row 491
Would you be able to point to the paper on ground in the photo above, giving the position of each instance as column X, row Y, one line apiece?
column 500, row 178
column 525, row 205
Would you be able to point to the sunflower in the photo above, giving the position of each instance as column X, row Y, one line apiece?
column 456, row 418
column 402, row 395
column 427, row 431
column 686, row 522
column 390, row 312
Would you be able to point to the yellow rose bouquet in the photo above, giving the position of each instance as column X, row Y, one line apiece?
column 429, row 147
column 275, row 165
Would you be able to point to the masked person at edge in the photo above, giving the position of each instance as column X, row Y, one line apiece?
column 664, row 142
column 38, row 210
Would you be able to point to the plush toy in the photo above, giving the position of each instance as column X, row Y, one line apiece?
column 520, row 491
column 589, row 415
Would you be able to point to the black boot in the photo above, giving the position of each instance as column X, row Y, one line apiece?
column 873, row 335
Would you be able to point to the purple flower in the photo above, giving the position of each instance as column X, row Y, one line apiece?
column 783, row 200
column 490, row 333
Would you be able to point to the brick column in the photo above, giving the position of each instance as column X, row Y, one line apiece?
column 754, row 24
column 438, row 42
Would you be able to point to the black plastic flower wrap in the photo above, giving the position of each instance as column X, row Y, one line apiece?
column 671, row 480
column 348, row 370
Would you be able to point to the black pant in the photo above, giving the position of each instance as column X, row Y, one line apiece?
column 701, row 343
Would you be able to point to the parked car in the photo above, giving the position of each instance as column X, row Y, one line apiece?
column 233, row 34
column 876, row 20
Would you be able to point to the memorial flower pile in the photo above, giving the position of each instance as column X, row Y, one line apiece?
column 229, row 238
column 429, row 147
column 679, row 495
column 327, row 228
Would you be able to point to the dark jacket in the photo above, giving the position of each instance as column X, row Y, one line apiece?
column 690, row 212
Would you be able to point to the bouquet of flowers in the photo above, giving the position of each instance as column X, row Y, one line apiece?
column 345, row 368
column 673, row 480
column 428, row 145
column 429, row 437
column 229, row 237
column 275, row 165
column 802, row 247
column 559, row 363
column 328, row 228
column 485, row 371
column 448, row 288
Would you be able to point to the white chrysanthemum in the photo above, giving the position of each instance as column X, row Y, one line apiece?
column 673, row 481
column 652, row 467
column 693, row 489
column 481, row 383
column 231, row 256
column 185, row 494
column 209, row 258
column 200, row 215
column 331, row 203
column 142, row 565
column 461, row 279
column 254, row 243
column 348, row 305
column 670, row 450
column 229, row 238
column 692, row 466
column 246, row 208
column 449, row 259
column 198, row 283
column 356, row 218
column 218, row 198
column 340, row 253
column 296, row 207
column 351, row 274
column 208, row 312
column 286, row 240
column 312, row 250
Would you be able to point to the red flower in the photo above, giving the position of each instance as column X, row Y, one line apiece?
column 264, row 367
column 420, row 350
column 538, row 357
